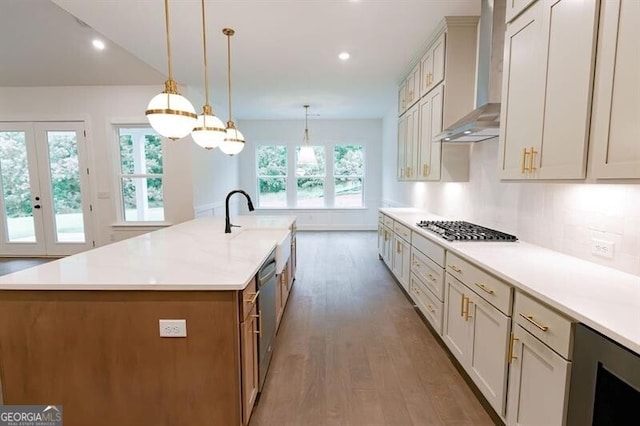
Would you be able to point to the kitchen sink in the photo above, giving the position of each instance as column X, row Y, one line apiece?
column 282, row 237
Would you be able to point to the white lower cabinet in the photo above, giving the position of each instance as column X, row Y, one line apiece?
column 538, row 378
column 478, row 334
column 401, row 260
column 426, row 301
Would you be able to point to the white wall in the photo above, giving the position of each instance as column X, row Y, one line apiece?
column 322, row 132
column 100, row 107
column 560, row 216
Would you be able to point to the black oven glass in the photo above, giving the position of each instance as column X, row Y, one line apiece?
column 616, row 403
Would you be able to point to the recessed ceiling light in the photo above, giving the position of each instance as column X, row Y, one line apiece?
column 98, row 44
column 447, row 139
column 344, row 56
column 467, row 132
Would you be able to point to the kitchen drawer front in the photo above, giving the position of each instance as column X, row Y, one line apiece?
column 490, row 288
column 387, row 221
column 249, row 299
column 402, row 231
column 429, row 248
column 428, row 304
column 552, row 328
column 429, row 272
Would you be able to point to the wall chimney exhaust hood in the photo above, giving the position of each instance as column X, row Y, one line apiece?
column 484, row 122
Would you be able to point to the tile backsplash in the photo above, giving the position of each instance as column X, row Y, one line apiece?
column 566, row 217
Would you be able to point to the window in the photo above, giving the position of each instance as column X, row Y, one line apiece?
column 310, row 180
column 140, row 178
column 272, row 175
column 348, row 173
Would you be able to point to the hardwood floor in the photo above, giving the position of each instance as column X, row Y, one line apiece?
column 351, row 349
column 9, row 265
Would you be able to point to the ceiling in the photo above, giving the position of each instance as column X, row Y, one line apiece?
column 284, row 53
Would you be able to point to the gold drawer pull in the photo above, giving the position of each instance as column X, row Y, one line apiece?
column 455, row 268
column 433, row 311
column 511, row 356
column 467, row 314
column 432, row 278
column 485, row 288
column 532, row 168
column 255, row 297
column 462, row 311
column 534, row 322
column 259, row 316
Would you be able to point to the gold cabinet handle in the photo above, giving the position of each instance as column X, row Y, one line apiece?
column 510, row 355
column 398, row 246
column 259, row 316
column 409, row 174
column 485, row 288
column 432, row 278
column 467, row 313
column 386, row 235
column 426, row 79
column 431, row 308
column 455, row 268
column 254, row 298
column 462, row 312
column 525, row 152
column 532, row 168
column 534, row 322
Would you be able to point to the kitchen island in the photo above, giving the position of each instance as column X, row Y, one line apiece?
column 83, row 331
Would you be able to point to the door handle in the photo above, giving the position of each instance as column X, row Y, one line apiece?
column 37, row 206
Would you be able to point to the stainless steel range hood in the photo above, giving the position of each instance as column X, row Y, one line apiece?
column 484, row 122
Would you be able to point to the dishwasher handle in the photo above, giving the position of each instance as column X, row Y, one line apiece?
column 266, row 273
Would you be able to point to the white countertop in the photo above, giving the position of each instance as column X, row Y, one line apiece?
column 603, row 298
column 195, row 255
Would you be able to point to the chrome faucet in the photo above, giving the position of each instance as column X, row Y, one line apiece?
column 227, row 223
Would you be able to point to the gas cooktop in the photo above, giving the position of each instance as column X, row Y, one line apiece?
column 464, row 231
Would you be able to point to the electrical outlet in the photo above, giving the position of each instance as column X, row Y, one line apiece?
column 602, row 248
column 173, row 328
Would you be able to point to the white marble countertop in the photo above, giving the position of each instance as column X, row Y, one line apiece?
column 194, row 255
column 603, row 298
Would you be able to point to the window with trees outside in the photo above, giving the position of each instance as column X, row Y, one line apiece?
column 140, row 154
column 310, row 180
column 348, row 171
column 272, row 175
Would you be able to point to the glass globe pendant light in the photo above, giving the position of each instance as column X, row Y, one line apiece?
column 234, row 140
column 169, row 113
column 306, row 154
column 209, row 131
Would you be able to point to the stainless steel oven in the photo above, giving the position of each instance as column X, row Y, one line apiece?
column 267, row 310
column 605, row 382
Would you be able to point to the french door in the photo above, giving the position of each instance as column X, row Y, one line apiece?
column 45, row 193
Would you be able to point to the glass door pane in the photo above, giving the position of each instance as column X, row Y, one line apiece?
column 16, row 187
column 66, row 192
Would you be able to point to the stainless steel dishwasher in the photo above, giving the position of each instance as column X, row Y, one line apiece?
column 267, row 314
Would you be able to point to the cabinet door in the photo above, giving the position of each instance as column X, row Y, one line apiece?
column 401, row 261
column 616, row 106
column 412, row 142
column 522, row 93
column 455, row 331
column 402, row 98
column 515, row 7
column 402, row 147
column 568, row 49
column 249, row 364
column 413, row 82
column 438, row 61
column 489, row 339
column 388, row 241
column 430, row 125
column 538, row 383
column 380, row 239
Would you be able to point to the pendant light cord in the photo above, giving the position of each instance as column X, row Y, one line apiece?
column 204, row 48
column 228, row 32
column 166, row 19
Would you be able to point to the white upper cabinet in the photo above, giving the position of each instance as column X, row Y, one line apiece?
column 432, row 66
column 430, row 125
column 615, row 134
column 412, row 86
column 549, row 63
column 402, row 102
column 402, row 146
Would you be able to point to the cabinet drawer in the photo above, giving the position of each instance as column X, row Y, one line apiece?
column 249, row 299
column 493, row 290
column 402, row 231
column 428, row 304
column 551, row 327
column 429, row 248
column 429, row 272
column 387, row 221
